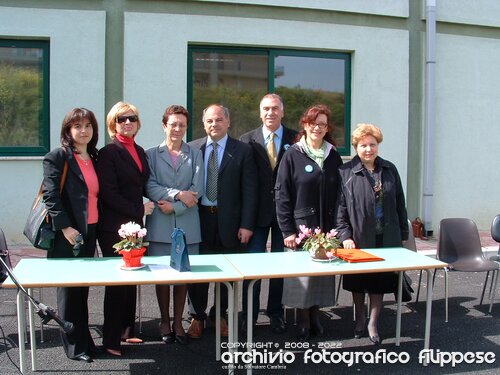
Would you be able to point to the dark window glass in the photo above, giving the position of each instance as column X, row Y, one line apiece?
column 24, row 94
column 235, row 80
column 238, row 78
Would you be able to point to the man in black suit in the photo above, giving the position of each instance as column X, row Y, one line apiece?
column 228, row 209
column 268, row 143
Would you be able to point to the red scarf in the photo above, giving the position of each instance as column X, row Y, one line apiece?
column 129, row 145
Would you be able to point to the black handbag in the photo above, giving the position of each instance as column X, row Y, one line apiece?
column 38, row 228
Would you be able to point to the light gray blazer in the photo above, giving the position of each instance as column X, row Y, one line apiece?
column 164, row 182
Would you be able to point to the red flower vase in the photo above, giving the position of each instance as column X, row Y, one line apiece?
column 133, row 257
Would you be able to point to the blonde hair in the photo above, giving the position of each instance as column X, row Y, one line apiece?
column 362, row 130
column 116, row 111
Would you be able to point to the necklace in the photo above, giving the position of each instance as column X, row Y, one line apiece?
column 377, row 183
column 85, row 161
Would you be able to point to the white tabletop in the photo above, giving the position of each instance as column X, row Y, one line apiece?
column 299, row 263
column 41, row 272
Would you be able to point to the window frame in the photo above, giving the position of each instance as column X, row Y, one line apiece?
column 44, row 129
column 271, row 53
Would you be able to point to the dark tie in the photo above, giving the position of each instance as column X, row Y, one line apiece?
column 212, row 174
column 271, row 150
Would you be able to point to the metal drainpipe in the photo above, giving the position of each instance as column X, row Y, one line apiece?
column 430, row 66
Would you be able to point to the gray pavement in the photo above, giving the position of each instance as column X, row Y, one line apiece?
column 470, row 329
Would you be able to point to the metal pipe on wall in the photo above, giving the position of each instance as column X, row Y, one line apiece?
column 430, row 115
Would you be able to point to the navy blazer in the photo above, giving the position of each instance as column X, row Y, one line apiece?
column 266, row 211
column 121, row 186
column 236, row 190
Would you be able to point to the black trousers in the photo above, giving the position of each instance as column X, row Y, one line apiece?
column 119, row 301
column 72, row 302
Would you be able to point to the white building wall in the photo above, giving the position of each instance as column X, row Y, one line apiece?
column 379, row 66
column 467, row 129
column 380, row 7
column 477, row 12
column 155, row 75
column 77, row 46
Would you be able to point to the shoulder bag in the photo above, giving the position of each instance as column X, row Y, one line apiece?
column 38, row 228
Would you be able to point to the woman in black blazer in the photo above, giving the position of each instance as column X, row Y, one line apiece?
column 122, row 170
column 74, row 217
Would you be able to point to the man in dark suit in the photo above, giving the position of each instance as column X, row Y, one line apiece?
column 227, row 208
column 268, row 143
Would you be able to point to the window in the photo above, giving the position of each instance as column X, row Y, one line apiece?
column 238, row 78
column 24, row 97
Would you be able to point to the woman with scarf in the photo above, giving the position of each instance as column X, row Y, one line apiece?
column 306, row 194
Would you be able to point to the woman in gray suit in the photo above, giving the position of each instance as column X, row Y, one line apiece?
column 175, row 183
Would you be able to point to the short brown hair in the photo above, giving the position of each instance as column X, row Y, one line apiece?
column 362, row 130
column 175, row 110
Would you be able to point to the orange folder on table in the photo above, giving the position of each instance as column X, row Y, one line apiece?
column 357, row 255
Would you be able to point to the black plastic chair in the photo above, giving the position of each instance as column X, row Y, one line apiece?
column 495, row 234
column 459, row 246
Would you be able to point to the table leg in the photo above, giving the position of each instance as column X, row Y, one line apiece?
column 21, row 329
column 217, row 322
column 236, row 298
column 428, row 311
column 398, row 314
column 231, row 320
column 32, row 333
column 250, row 319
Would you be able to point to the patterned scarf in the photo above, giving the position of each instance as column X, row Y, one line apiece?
column 318, row 155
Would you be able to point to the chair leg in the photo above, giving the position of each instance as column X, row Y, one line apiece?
column 491, row 284
column 40, row 294
column 494, row 281
column 484, row 288
column 446, row 294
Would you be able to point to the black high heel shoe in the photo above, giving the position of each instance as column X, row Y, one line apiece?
column 360, row 333
column 183, row 340
column 169, row 338
column 84, row 358
column 375, row 339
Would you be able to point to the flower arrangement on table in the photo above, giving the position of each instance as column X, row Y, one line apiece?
column 132, row 246
column 133, row 237
column 319, row 244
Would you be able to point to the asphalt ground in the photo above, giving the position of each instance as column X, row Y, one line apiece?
column 470, row 330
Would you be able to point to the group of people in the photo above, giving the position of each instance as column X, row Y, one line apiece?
column 228, row 196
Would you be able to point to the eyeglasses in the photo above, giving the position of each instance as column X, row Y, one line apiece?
column 132, row 118
column 321, row 126
column 176, row 125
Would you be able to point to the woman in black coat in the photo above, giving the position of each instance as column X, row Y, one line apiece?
column 74, row 217
column 371, row 214
column 306, row 194
column 123, row 170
